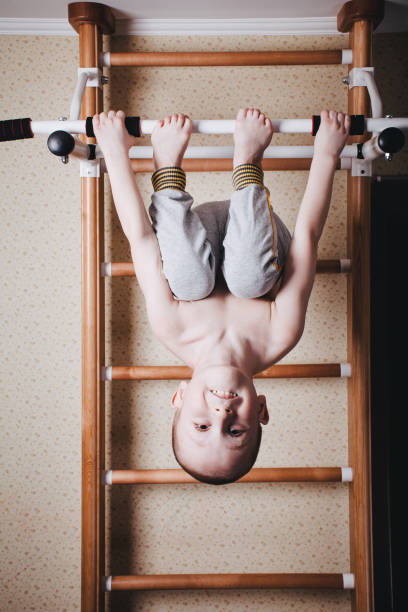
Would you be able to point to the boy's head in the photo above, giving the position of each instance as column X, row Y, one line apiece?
column 216, row 428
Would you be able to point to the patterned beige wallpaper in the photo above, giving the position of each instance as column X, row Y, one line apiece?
column 197, row 528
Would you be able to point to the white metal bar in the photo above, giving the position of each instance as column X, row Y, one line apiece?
column 375, row 98
column 204, row 126
column 228, row 152
column 77, row 97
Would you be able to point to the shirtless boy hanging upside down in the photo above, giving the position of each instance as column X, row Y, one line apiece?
column 226, row 286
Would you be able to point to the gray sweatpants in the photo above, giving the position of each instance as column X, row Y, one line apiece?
column 236, row 236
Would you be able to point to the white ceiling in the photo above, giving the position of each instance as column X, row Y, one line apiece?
column 396, row 12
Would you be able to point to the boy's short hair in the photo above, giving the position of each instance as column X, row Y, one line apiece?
column 244, row 468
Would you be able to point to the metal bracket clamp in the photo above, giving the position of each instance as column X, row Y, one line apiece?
column 364, row 77
column 87, row 77
column 90, row 168
column 357, row 76
column 94, row 76
column 361, row 167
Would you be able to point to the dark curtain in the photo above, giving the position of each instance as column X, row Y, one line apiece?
column 389, row 375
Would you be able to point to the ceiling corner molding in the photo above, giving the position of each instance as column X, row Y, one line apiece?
column 35, row 27
column 180, row 27
column 214, row 27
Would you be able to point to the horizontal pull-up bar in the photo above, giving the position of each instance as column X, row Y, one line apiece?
column 323, row 266
column 229, row 581
column 177, row 476
column 314, row 370
column 140, row 127
column 228, row 58
column 16, row 129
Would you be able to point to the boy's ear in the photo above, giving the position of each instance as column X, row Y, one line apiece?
column 177, row 399
column 263, row 411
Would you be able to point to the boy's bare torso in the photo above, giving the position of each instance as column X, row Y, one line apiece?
column 242, row 325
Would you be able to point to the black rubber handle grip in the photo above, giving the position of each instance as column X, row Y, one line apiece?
column 357, row 125
column 15, row 129
column 132, row 125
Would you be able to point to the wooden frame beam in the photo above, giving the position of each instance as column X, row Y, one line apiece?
column 90, row 20
column 360, row 17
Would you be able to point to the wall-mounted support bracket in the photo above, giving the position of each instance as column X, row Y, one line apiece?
column 90, row 168
column 361, row 167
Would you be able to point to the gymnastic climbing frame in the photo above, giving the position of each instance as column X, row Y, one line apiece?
column 92, row 20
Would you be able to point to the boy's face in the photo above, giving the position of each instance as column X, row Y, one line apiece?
column 218, row 419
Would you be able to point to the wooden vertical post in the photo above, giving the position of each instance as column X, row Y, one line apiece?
column 90, row 21
column 359, row 17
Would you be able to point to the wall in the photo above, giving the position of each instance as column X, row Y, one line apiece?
column 196, row 528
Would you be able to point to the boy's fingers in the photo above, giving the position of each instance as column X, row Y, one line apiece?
column 347, row 123
column 111, row 114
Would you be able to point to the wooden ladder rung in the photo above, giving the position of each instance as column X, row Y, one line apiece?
column 298, row 370
column 280, row 474
column 323, row 266
column 224, row 58
column 229, row 581
column 222, row 164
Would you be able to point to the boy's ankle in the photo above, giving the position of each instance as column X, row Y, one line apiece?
column 246, row 174
column 256, row 161
column 169, row 177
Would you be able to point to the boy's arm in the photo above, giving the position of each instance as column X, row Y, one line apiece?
column 115, row 142
column 288, row 311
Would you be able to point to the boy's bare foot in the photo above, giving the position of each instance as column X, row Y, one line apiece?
column 253, row 133
column 170, row 138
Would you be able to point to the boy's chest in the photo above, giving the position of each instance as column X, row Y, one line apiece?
column 246, row 320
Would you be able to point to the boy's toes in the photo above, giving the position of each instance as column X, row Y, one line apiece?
column 188, row 124
column 324, row 115
column 241, row 113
